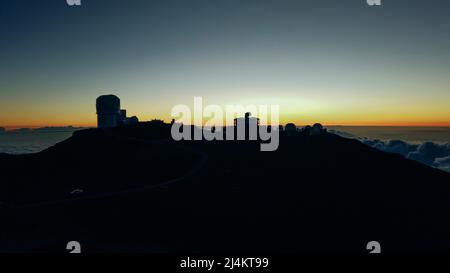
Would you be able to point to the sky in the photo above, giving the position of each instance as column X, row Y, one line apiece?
column 328, row 61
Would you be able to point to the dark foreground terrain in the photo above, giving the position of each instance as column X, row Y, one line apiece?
column 143, row 192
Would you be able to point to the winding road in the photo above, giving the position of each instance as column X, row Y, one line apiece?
column 198, row 166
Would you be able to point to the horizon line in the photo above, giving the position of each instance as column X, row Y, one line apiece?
column 424, row 125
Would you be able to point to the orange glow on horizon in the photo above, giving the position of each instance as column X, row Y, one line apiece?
column 298, row 123
column 384, row 124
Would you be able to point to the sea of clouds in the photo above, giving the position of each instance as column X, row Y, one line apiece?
column 432, row 154
column 32, row 141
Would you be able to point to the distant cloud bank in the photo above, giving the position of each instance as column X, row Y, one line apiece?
column 429, row 153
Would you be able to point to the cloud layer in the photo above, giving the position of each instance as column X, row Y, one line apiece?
column 432, row 154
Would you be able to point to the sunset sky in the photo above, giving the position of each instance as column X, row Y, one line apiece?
column 328, row 61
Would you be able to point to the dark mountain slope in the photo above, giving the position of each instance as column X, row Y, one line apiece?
column 314, row 194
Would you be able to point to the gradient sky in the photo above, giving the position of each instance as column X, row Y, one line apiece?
column 335, row 62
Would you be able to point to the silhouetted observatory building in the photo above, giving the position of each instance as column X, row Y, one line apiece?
column 109, row 113
column 248, row 122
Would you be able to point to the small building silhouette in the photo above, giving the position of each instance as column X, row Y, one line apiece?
column 123, row 115
column 306, row 130
column 157, row 122
column 317, row 129
column 290, row 127
column 131, row 121
column 247, row 120
column 250, row 124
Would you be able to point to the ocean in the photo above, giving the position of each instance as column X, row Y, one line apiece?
column 32, row 141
